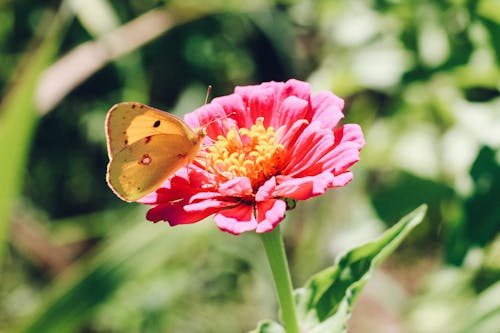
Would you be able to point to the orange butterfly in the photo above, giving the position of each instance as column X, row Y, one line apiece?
column 145, row 147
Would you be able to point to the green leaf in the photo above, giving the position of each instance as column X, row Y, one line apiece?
column 325, row 303
column 18, row 116
column 268, row 326
column 489, row 9
column 482, row 211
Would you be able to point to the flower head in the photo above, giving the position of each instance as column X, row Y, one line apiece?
column 273, row 142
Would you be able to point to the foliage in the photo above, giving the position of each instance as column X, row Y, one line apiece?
column 326, row 301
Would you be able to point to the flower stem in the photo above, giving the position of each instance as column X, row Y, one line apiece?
column 275, row 250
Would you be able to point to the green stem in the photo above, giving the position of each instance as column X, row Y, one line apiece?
column 275, row 250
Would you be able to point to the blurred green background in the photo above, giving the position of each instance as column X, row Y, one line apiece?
column 421, row 77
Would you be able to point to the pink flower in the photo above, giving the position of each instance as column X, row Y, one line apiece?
column 277, row 143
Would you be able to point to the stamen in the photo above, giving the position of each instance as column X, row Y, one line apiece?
column 254, row 153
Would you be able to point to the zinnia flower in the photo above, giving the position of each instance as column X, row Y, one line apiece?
column 273, row 143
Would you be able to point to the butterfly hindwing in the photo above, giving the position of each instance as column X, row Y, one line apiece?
column 140, row 168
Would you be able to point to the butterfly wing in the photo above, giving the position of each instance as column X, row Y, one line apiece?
column 141, row 167
column 127, row 123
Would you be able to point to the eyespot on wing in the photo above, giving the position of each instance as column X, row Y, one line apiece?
column 140, row 168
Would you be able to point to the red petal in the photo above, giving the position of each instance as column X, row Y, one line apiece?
column 312, row 144
column 236, row 220
column 269, row 214
column 175, row 214
column 265, row 192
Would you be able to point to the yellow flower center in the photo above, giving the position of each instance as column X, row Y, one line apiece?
column 253, row 153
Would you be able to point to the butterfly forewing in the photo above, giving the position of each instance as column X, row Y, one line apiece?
column 140, row 168
column 129, row 122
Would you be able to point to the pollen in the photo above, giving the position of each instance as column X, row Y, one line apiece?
column 254, row 153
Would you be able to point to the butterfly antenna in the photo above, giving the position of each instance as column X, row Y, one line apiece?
column 220, row 118
column 209, row 92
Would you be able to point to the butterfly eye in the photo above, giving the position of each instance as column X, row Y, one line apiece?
column 157, row 123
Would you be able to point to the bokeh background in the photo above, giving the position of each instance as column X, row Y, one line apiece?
column 421, row 77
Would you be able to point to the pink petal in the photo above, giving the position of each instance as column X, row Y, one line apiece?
column 349, row 132
column 341, row 157
column 265, row 99
column 327, row 109
column 266, row 191
column 236, row 220
column 269, row 214
column 234, row 104
column 246, row 92
column 291, row 134
column 303, row 188
column 236, row 187
column 291, row 110
column 208, row 205
column 261, row 104
column 212, row 114
column 342, row 179
column 348, row 140
column 296, row 88
column 149, row 199
column 204, row 196
column 204, row 114
column 312, row 144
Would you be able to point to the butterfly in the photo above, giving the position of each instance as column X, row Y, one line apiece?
column 146, row 146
